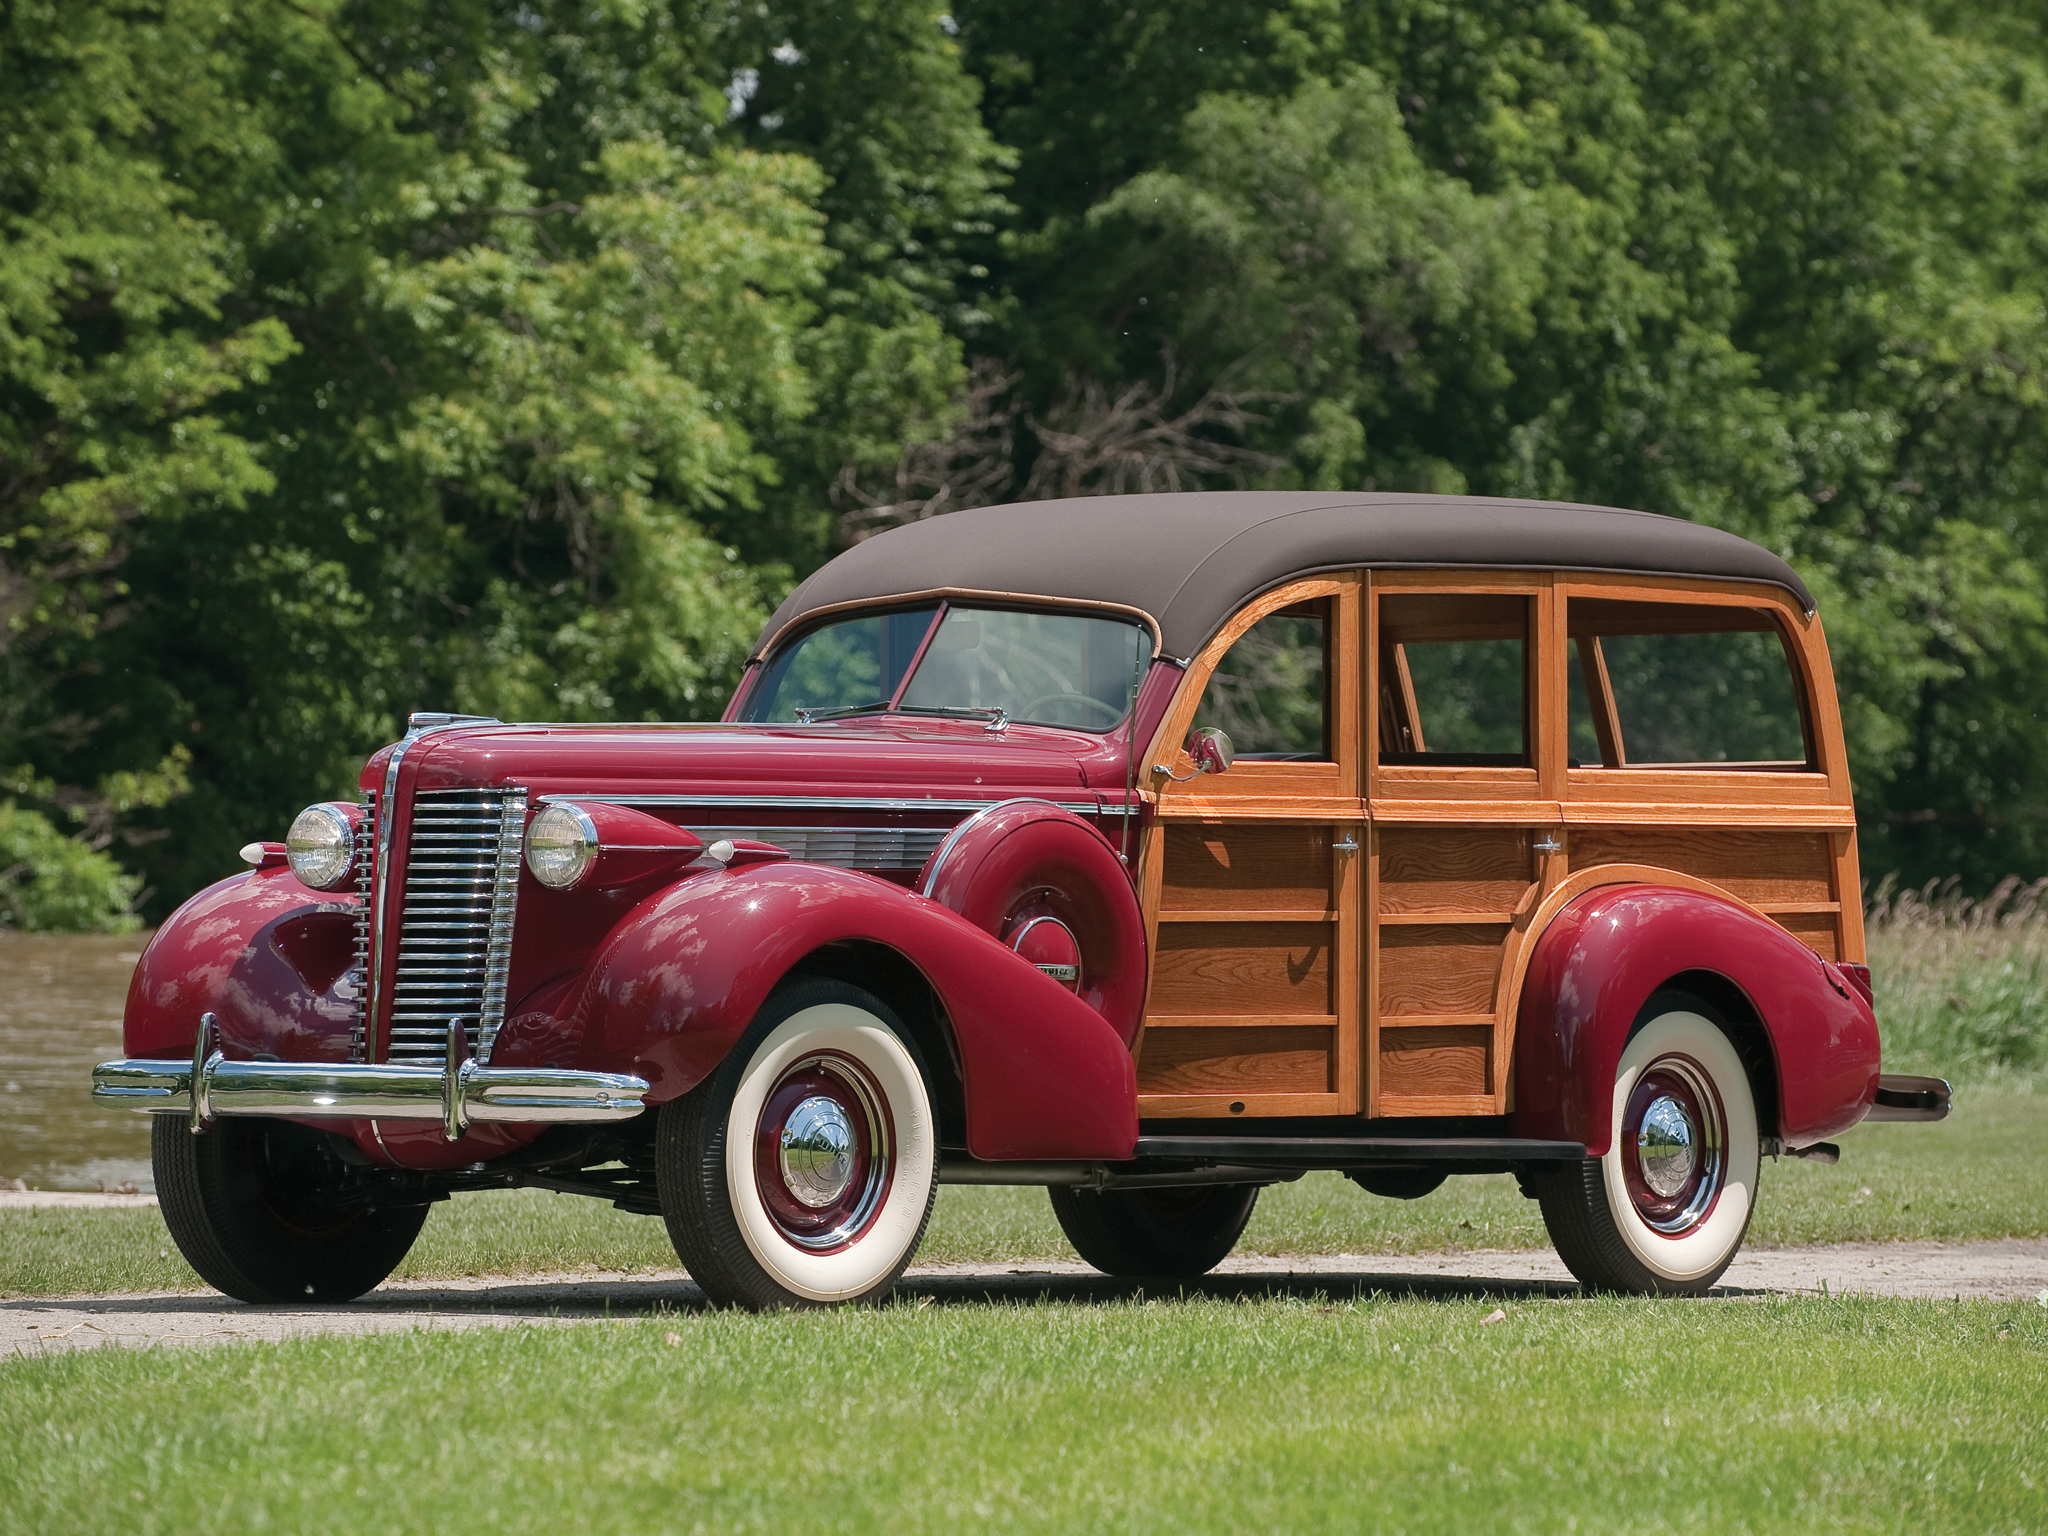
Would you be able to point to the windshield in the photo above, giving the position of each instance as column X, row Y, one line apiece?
column 1073, row 670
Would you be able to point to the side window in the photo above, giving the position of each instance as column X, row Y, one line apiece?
column 1454, row 680
column 1270, row 692
column 1677, row 685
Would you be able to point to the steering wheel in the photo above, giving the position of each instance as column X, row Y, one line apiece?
column 1087, row 700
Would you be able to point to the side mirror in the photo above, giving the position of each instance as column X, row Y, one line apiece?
column 1210, row 750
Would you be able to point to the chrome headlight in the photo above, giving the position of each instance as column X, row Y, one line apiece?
column 561, row 845
column 321, row 847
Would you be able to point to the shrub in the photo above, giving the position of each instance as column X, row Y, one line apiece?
column 56, row 884
column 1962, row 983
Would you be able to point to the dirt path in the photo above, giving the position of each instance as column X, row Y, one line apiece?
column 1999, row 1271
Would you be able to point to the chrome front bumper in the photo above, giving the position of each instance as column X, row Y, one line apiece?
column 459, row 1095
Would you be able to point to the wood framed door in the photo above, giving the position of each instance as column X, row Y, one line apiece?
column 1463, row 787
column 1251, row 879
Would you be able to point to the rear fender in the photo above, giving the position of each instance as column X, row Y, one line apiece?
column 265, row 955
column 1604, row 955
column 1044, row 1075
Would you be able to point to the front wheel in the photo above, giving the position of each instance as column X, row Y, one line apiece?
column 265, row 1212
column 802, row 1171
column 1665, row 1210
column 1173, row 1232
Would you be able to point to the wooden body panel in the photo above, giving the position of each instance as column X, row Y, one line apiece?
column 1291, row 979
column 1253, row 901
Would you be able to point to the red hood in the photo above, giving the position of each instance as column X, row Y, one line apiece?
column 907, row 760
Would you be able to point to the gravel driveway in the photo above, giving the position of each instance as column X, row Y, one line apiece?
column 2015, row 1270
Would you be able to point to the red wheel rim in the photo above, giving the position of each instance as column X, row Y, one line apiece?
column 1674, row 1146
column 824, row 1153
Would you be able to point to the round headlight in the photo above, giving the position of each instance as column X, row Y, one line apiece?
column 561, row 845
column 321, row 847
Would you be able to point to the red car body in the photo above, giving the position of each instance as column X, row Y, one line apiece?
column 908, row 854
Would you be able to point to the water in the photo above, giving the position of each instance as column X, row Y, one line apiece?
column 60, row 1014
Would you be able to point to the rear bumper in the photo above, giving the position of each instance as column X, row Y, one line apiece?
column 1909, row 1098
column 458, row 1096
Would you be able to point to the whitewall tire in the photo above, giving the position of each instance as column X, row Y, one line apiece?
column 802, row 1171
column 1666, row 1209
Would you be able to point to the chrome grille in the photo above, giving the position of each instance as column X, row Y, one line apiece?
column 842, row 847
column 455, row 923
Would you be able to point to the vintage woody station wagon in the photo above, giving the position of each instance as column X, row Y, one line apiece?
column 1153, row 849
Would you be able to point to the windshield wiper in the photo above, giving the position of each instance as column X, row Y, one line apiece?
column 810, row 716
column 998, row 718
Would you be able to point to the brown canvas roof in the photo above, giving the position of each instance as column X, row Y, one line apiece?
column 1189, row 560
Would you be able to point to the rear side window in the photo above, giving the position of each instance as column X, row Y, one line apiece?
column 1676, row 685
column 1454, row 680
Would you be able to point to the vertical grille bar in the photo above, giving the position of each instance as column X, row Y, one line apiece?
column 504, row 905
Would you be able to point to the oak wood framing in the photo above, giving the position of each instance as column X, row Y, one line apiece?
column 1253, row 905
column 1417, row 945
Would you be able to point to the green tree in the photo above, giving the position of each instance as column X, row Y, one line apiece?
column 512, row 372
column 1763, row 265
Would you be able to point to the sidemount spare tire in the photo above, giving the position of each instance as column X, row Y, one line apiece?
column 1043, row 882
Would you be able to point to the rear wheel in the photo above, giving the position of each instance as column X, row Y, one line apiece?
column 1664, row 1212
column 802, row 1171
column 265, row 1212
column 1163, row 1232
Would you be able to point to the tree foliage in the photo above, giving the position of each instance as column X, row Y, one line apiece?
column 365, row 355
column 1775, row 267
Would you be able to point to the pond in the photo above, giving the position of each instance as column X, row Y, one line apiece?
column 61, row 997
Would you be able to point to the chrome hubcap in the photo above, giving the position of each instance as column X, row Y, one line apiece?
column 817, row 1152
column 1667, row 1146
column 824, row 1152
column 1674, row 1146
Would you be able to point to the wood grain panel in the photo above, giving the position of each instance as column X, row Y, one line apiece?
column 1816, row 930
column 1439, row 967
column 1266, row 868
column 1440, row 1061
column 1243, row 968
column 1463, row 869
column 1759, row 866
column 1237, row 1061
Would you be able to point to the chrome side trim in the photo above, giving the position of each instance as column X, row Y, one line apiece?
column 841, row 847
column 313, row 1090
column 504, row 904
column 819, row 803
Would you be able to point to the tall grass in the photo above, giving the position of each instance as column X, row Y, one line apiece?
column 1962, row 982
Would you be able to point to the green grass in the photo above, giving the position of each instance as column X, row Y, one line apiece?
column 1294, row 1414
column 1981, row 1174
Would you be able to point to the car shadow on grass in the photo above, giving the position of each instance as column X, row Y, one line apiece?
column 622, row 1298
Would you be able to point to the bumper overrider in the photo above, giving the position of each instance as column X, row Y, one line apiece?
column 458, row 1095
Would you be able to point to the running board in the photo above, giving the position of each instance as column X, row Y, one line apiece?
column 1358, row 1151
column 1165, row 1161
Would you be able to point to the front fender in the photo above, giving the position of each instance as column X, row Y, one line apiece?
column 1604, row 954
column 265, row 955
column 1044, row 1075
